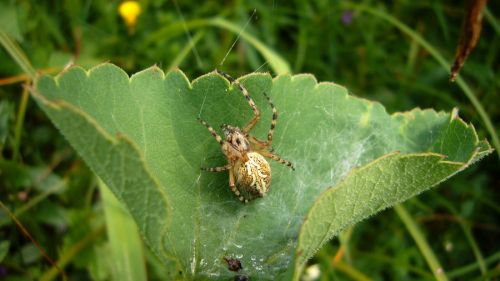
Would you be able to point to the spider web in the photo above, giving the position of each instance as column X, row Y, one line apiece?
column 321, row 129
column 262, row 234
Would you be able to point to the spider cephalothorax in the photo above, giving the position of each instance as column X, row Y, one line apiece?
column 237, row 144
column 249, row 172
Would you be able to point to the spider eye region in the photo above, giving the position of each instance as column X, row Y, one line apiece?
column 240, row 143
column 228, row 131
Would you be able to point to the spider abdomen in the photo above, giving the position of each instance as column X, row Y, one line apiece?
column 253, row 177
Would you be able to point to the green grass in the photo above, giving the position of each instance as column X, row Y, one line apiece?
column 398, row 54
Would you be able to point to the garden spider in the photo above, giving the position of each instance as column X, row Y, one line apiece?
column 249, row 172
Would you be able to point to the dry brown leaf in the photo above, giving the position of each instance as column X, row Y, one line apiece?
column 471, row 31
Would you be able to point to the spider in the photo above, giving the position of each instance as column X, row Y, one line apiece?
column 249, row 172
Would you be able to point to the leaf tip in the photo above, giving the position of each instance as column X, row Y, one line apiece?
column 156, row 68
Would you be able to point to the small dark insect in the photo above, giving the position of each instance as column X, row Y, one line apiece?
column 249, row 172
column 233, row 264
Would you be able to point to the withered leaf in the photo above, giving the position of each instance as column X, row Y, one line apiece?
column 471, row 31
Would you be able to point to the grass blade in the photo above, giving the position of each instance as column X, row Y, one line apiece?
column 71, row 253
column 459, row 272
column 20, row 122
column 185, row 51
column 468, row 234
column 17, row 54
column 126, row 244
column 422, row 244
column 276, row 62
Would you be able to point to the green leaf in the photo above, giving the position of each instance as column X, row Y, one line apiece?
column 141, row 137
column 127, row 256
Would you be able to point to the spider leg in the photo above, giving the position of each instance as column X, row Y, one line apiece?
column 232, row 185
column 212, row 131
column 273, row 121
column 260, row 143
column 256, row 113
column 277, row 159
column 266, row 144
column 217, row 169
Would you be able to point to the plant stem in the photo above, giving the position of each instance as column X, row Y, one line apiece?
column 19, row 123
column 17, row 54
column 276, row 62
column 468, row 234
column 422, row 244
column 185, row 51
column 491, row 19
column 71, row 252
column 473, row 266
column 279, row 65
column 352, row 272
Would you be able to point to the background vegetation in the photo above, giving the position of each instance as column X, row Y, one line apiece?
column 364, row 47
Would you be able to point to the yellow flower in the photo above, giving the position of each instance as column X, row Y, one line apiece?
column 129, row 11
